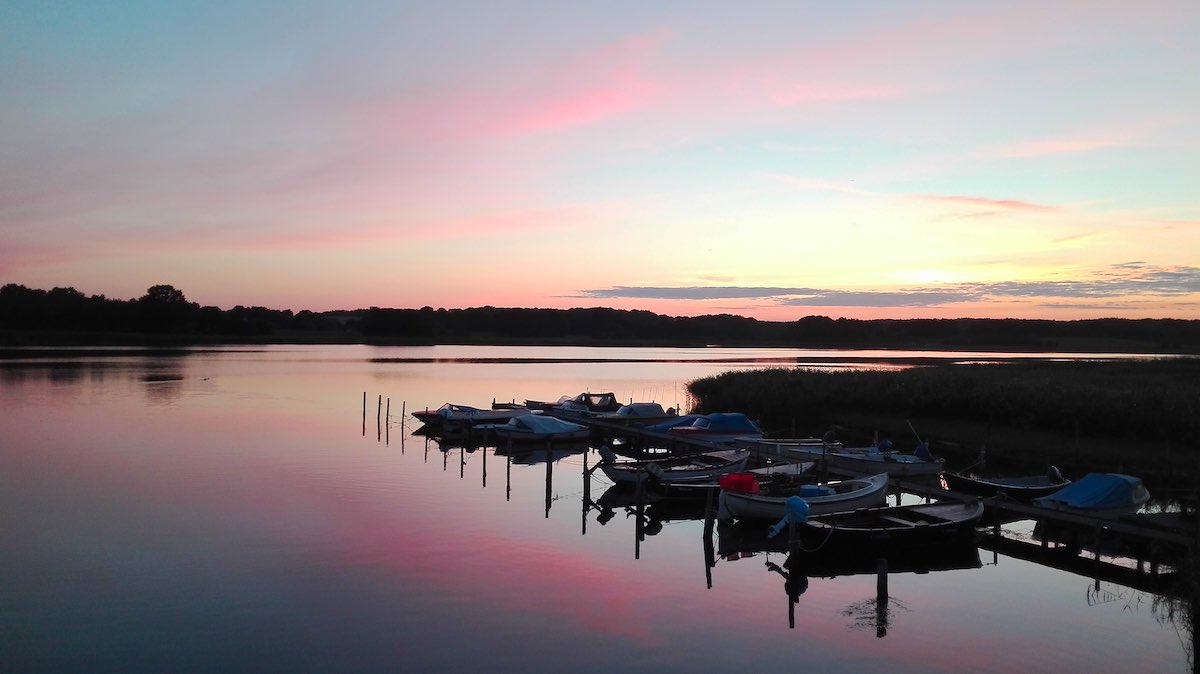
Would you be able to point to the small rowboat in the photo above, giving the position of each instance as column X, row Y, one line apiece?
column 920, row 523
column 672, row 470
column 1023, row 488
column 826, row 497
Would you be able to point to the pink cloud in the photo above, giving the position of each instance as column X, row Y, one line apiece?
column 575, row 91
column 587, row 89
column 818, row 93
column 845, row 187
column 988, row 202
column 1055, row 146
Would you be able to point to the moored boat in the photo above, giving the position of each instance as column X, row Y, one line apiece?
column 1102, row 494
column 583, row 404
column 674, row 469
column 637, row 414
column 454, row 416
column 920, row 523
column 717, row 427
column 533, row 427
column 1022, row 488
column 863, row 460
column 827, row 497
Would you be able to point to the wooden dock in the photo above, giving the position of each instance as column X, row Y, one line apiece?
column 1144, row 551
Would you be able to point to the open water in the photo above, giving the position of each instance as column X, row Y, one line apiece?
column 234, row 510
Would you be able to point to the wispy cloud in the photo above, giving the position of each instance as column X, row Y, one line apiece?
column 1120, row 281
column 814, row 93
column 1056, row 146
column 987, row 202
column 819, row 184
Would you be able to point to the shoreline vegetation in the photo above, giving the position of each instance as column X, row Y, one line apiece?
column 164, row 317
column 1138, row 416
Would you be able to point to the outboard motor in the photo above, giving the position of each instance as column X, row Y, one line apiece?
column 797, row 512
column 607, row 455
column 1055, row 476
column 656, row 471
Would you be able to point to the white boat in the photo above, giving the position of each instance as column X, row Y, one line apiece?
column 863, row 460
column 922, row 523
column 452, row 416
column 826, row 497
column 637, row 414
column 583, row 404
column 676, row 469
column 529, row 427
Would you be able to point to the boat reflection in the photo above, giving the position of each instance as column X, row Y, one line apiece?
column 741, row 540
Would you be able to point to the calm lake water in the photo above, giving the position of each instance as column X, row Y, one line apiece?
column 225, row 510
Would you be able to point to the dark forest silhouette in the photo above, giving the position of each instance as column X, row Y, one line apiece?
column 164, row 314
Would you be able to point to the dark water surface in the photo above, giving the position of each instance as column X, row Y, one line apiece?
column 224, row 511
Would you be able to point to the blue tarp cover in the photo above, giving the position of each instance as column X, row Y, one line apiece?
column 685, row 420
column 726, row 421
column 1096, row 490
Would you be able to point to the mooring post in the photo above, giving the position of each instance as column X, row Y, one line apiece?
column 587, row 493
column 881, row 597
column 710, row 557
column 379, row 418
column 364, row 414
column 549, row 468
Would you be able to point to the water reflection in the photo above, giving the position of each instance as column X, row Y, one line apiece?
column 269, row 521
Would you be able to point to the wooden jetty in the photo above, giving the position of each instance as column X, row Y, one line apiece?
column 1157, row 544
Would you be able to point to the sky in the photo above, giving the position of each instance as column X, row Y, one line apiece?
column 768, row 159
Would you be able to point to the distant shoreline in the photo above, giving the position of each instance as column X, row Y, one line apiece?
column 14, row 343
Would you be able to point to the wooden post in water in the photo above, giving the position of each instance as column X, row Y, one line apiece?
column 881, row 597
column 639, row 527
column 710, row 557
column 364, row 414
column 508, row 472
column 549, row 469
column 379, row 418
column 587, row 494
column 387, row 428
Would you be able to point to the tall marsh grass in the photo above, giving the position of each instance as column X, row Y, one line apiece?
column 1120, row 411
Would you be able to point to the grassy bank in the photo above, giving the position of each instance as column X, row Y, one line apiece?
column 1138, row 416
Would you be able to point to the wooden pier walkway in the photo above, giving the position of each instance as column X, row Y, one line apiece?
column 1153, row 540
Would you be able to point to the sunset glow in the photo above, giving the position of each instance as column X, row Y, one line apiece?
column 773, row 160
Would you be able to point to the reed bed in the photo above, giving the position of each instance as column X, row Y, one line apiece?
column 1096, row 413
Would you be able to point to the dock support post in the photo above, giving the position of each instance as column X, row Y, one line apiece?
column 881, row 597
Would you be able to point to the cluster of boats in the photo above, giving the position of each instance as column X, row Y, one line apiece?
column 726, row 459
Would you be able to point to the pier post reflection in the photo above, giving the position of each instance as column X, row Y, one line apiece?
column 549, row 476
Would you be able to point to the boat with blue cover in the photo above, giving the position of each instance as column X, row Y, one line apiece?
column 716, row 427
column 1103, row 494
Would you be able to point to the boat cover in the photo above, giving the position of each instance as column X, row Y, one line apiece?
column 1096, row 490
column 727, row 422
column 641, row 410
column 685, row 420
column 544, row 424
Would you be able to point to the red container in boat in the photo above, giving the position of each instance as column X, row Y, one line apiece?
column 744, row 482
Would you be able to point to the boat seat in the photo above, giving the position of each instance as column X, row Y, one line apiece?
column 902, row 522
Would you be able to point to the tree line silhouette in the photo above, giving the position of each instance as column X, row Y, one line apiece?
column 65, row 315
